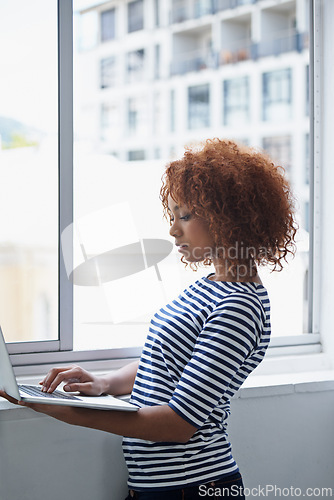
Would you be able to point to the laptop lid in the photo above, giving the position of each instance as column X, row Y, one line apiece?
column 7, row 378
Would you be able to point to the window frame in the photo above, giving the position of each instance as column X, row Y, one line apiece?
column 26, row 357
column 65, row 188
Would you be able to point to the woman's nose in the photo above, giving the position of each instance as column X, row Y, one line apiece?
column 175, row 229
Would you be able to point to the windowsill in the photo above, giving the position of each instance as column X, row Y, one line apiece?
column 275, row 376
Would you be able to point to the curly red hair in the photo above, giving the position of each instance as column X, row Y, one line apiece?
column 243, row 196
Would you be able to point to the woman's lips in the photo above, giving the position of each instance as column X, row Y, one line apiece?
column 182, row 248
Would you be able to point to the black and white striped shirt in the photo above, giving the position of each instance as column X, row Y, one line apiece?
column 199, row 350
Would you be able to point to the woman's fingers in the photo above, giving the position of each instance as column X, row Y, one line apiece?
column 9, row 398
column 75, row 378
column 58, row 375
column 62, row 377
column 76, row 386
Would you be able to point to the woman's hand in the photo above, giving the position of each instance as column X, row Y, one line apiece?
column 75, row 378
column 64, row 413
column 9, row 398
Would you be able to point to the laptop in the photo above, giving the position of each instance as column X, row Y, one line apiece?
column 34, row 394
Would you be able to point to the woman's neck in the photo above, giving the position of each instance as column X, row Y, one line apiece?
column 242, row 273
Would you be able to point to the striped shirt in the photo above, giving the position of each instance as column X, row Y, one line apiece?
column 199, row 350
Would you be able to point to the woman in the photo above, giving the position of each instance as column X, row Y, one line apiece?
column 229, row 206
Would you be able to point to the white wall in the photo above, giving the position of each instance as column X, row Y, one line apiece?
column 43, row 459
column 284, row 440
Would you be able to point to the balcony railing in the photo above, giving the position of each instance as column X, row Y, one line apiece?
column 240, row 50
column 183, row 11
column 196, row 60
column 283, row 42
column 286, row 42
column 232, row 4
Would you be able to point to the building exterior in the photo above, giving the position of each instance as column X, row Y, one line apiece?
column 152, row 76
column 156, row 75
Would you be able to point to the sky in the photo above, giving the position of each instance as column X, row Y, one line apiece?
column 28, row 79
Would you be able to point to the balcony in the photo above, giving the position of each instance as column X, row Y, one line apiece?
column 238, row 51
column 196, row 60
column 285, row 42
column 184, row 11
column 231, row 4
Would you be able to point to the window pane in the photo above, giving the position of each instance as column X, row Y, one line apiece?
column 135, row 16
column 279, row 148
column 110, row 119
column 236, row 101
column 136, row 155
column 137, row 115
column 277, row 95
column 199, row 106
column 135, row 66
column 29, row 170
column 218, row 77
column 107, row 25
column 108, row 72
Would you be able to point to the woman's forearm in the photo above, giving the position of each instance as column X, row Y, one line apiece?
column 153, row 423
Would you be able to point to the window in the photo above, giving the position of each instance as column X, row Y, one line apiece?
column 135, row 16
column 172, row 110
column 137, row 115
column 132, row 115
column 180, row 11
column 294, row 276
column 157, row 13
column 108, row 72
column 88, row 27
column 108, row 25
column 110, row 120
column 136, row 155
column 135, row 66
column 277, row 95
column 157, row 62
column 198, row 107
column 113, row 141
column 29, row 171
column 158, row 118
column 236, row 101
column 203, row 7
column 280, row 150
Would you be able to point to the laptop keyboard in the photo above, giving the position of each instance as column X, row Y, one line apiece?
column 33, row 390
